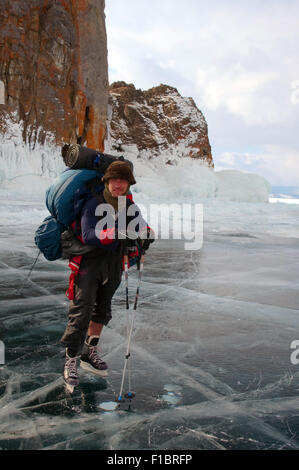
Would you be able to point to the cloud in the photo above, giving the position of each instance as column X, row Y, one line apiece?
column 241, row 91
column 279, row 165
column 238, row 60
column 295, row 92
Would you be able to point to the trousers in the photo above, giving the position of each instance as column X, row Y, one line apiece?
column 94, row 287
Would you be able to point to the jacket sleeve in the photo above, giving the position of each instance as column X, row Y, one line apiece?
column 89, row 220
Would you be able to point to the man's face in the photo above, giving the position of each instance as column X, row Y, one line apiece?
column 118, row 187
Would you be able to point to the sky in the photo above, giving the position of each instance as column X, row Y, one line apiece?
column 238, row 60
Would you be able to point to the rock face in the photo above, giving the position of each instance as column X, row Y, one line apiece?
column 159, row 121
column 53, row 63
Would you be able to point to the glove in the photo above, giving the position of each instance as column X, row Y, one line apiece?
column 129, row 244
column 146, row 237
column 107, row 236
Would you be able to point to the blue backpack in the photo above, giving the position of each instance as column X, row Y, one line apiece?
column 61, row 203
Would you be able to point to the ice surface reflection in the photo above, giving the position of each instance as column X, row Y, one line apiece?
column 210, row 354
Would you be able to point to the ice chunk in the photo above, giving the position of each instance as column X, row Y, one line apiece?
column 108, row 405
column 238, row 186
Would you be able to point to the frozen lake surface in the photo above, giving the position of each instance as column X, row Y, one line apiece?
column 211, row 352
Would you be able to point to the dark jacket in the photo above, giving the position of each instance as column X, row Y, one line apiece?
column 94, row 237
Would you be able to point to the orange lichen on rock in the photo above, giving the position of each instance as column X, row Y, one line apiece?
column 53, row 63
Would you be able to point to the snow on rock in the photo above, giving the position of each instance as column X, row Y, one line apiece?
column 159, row 121
column 27, row 171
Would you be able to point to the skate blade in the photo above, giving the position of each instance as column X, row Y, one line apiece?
column 89, row 368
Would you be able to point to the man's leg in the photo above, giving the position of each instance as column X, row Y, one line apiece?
column 94, row 329
column 80, row 311
column 90, row 359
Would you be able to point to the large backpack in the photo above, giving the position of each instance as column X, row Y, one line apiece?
column 84, row 165
column 60, row 201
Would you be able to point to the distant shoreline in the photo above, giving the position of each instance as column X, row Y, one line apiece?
column 284, row 194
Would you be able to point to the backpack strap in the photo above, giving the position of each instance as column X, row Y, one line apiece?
column 82, row 195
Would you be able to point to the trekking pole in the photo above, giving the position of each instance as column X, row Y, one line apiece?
column 28, row 275
column 32, row 267
column 139, row 279
column 120, row 398
column 130, row 394
column 126, row 262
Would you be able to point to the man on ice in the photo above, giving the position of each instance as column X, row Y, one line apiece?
column 97, row 275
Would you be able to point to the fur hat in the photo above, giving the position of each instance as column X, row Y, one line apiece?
column 120, row 170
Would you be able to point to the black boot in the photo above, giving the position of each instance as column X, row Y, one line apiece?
column 90, row 359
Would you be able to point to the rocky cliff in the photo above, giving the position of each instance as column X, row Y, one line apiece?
column 158, row 121
column 53, row 63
